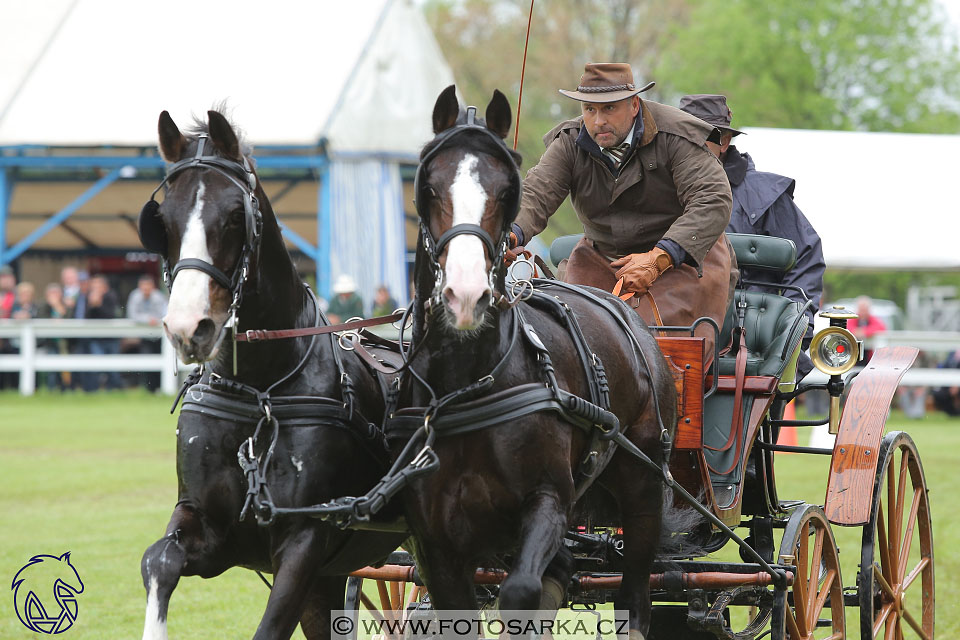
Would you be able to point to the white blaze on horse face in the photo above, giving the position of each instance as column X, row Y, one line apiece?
column 466, row 272
column 153, row 627
column 190, row 296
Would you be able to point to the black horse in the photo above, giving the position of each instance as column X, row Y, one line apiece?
column 515, row 487
column 308, row 401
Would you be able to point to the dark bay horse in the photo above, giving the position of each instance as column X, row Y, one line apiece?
column 515, row 487
column 217, row 230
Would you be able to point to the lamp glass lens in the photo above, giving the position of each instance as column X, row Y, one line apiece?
column 835, row 350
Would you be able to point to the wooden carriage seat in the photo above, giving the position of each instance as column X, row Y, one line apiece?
column 774, row 329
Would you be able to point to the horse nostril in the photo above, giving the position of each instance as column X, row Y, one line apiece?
column 448, row 295
column 484, row 299
column 204, row 331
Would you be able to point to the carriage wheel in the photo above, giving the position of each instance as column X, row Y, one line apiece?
column 895, row 583
column 391, row 601
column 815, row 602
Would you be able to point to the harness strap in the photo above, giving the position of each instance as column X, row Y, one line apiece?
column 202, row 265
column 257, row 335
column 469, row 229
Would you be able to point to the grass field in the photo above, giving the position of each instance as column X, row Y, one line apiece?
column 95, row 475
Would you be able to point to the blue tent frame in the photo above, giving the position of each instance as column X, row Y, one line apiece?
column 42, row 159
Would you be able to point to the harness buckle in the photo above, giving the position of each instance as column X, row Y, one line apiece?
column 420, row 460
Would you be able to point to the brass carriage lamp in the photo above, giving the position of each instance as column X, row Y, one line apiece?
column 835, row 351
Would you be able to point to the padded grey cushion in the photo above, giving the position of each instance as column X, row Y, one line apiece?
column 771, row 328
column 561, row 248
column 763, row 252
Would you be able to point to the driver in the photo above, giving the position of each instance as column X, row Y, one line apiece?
column 653, row 200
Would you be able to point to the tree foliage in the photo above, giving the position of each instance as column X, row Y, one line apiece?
column 876, row 65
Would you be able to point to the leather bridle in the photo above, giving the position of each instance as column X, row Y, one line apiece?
column 153, row 234
column 495, row 248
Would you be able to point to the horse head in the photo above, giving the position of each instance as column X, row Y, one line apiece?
column 207, row 229
column 468, row 194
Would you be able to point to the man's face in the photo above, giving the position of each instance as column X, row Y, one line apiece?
column 146, row 287
column 609, row 123
column 7, row 282
column 69, row 277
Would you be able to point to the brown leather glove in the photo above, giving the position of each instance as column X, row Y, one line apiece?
column 639, row 270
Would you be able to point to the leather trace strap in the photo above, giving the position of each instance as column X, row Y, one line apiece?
column 258, row 335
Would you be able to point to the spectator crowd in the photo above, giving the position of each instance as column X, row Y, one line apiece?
column 78, row 295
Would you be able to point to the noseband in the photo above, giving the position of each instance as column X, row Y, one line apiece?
column 434, row 247
column 153, row 234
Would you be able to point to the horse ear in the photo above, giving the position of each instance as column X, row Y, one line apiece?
column 223, row 135
column 66, row 557
column 446, row 110
column 498, row 114
column 172, row 142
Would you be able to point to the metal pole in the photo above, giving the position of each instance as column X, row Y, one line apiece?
column 5, row 190
column 324, row 231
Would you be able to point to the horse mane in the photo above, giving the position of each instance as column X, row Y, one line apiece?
column 200, row 126
column 477, row 143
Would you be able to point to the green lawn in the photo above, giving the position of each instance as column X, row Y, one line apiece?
column 95, row 475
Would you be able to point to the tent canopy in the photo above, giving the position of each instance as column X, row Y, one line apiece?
column 362, row 75
column 878, row 200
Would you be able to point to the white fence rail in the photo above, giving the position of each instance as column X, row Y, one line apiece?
column 29, row 361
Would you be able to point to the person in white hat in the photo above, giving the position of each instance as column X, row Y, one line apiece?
column 346, row 303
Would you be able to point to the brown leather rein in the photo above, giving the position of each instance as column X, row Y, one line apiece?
column 257, row 335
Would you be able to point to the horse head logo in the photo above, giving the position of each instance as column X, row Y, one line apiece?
column 45, row 593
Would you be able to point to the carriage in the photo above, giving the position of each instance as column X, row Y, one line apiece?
column 714, row 452
column 730, row 410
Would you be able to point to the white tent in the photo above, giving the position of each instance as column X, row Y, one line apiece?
column 878, row 200
column 362, row 74
column 355, row 79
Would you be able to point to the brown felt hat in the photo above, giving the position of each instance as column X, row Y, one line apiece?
column 606, row 82
column 710, row 108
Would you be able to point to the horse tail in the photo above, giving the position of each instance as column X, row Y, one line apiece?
column 678, row 527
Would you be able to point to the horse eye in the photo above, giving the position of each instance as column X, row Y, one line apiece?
column 235, row 218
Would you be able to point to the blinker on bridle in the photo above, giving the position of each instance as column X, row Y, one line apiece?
column 153, row 235
column 434, row 247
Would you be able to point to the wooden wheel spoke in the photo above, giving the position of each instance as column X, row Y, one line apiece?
column 908, row 532
column 884, row 585
column 385, row 600
column 893, row 528
column 913, row 623
column 822, row 597
column 917, row 570
column 371, row 607
column 792, row 628
column 901, row 491
column 882, row 542
column 396, row 594
column 881, row 618
column 891, row 630
column 815, row 560
column 801, row 581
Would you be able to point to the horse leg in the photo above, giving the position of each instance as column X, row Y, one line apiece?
column 541, row 531
column 640, row 510
column 326, row 596
column 294, row 580
column 447, row 576
column 185, row 549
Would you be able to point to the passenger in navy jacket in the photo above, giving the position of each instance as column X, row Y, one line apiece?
column 763, row 205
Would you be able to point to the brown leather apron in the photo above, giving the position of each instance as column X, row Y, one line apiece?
column 680, row 294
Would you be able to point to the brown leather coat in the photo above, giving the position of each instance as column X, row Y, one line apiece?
column 670, row 186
